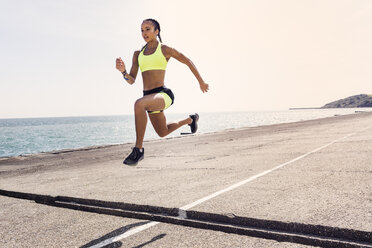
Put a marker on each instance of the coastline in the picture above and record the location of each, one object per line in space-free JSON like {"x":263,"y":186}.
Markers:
{"x":95,"y":147}
{"x":9,"y":163}
{"x":23,"y":137}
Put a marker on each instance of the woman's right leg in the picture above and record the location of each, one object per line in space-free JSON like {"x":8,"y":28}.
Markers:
{"x":140,"y":118}
{"x":145,"y":103}
{"x":152,"y":102}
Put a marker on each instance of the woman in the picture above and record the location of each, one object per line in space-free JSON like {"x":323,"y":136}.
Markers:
{"x":152,"y":60}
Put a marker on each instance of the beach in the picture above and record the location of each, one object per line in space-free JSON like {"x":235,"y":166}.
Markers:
{"x":313,"y":173}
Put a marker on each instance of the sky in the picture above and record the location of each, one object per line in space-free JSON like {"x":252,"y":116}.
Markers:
{"x":57,"y":58}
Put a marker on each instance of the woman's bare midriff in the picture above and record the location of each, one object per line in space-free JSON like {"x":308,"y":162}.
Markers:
{"x":153,"y":79}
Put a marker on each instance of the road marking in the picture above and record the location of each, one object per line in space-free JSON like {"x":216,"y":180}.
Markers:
{"x":232,"y":187}
{"x":125,"y":235}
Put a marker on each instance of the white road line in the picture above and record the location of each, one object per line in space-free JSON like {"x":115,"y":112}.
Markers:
{"x":232,"y":187}
{"x":125,"y":235}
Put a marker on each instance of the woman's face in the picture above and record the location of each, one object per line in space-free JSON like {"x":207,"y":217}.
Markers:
{"x":148,"y":31}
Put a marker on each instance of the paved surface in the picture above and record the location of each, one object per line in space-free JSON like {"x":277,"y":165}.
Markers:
{"x":317,"y":172}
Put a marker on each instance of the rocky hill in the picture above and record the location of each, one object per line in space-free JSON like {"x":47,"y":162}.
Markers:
{"x":357,"y":101}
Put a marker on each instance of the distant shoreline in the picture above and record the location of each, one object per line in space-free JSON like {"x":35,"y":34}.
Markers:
{"x":302,"y":108}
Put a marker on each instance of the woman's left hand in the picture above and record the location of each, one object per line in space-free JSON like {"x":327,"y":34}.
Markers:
{"x":204,"y":87}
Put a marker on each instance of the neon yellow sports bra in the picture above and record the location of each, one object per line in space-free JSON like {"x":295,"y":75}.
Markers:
{"x":155,"y":61}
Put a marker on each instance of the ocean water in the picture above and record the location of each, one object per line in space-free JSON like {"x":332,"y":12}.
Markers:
{"x":35,"y":135}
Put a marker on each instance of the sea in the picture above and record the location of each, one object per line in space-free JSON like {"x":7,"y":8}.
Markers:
{"x":24,"y":136}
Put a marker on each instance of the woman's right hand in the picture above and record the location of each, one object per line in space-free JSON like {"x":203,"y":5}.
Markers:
{"x":120,"y":64}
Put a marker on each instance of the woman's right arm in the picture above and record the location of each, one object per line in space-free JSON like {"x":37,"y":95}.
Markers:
{"x":129,"y":77}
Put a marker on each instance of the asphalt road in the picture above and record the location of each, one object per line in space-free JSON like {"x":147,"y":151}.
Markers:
{"x":314,"y":175}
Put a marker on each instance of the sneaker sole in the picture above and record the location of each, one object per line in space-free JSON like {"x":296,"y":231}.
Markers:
{"x":134,"y":163}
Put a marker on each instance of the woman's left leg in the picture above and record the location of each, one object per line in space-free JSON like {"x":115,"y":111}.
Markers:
{"x":161,"y":127}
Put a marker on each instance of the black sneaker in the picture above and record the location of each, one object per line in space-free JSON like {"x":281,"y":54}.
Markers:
{"x":194,"y":123}
{"x":135,"y":156}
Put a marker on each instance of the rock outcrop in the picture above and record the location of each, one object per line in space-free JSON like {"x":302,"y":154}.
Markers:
{"x":357,"y":101}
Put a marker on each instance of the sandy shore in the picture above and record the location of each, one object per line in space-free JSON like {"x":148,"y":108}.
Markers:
{"x":319,"y":174}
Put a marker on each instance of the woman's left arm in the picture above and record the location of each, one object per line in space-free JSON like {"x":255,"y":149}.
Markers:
{"x":171,"y":52}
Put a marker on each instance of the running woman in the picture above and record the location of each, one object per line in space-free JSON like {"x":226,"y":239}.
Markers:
{"x":152,"y":60}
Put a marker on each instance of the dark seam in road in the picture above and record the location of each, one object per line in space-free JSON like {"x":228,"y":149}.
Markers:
{"x":306,"y":234}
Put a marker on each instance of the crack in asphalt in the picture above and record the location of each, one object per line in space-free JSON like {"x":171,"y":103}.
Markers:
{"x":306,"y":234}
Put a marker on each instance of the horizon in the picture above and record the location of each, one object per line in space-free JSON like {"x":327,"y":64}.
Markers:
{"x":184,"y":113}
{"x":232,"y":111}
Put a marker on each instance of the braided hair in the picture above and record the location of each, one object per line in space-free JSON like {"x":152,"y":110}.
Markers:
{"x":156,"y":25}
